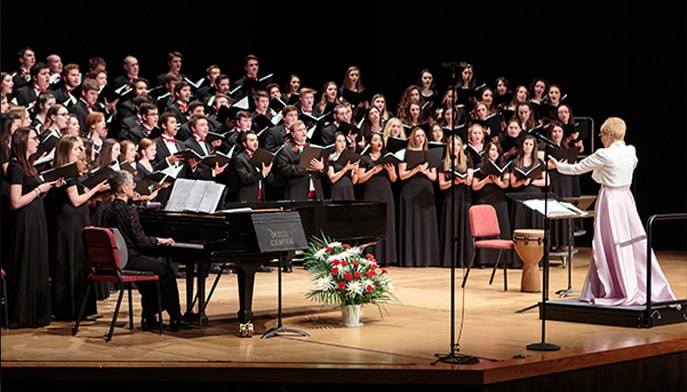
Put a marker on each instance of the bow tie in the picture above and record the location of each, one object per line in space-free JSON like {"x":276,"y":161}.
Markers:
{"x":301,"y":144}
{"x":169,"y":139}
{"x":41,"y":90}
{"x":201,"y":140}
{"x":309,"y":111}
{"x":183,"y":107}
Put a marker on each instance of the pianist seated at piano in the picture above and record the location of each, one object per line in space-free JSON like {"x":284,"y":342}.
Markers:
{"x":124,"y":216}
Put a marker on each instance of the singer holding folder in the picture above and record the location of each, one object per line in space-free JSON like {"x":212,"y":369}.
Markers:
{"x":617,"y":269}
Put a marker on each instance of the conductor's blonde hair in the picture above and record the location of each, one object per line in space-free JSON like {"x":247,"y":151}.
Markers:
{"x":614,"y":127}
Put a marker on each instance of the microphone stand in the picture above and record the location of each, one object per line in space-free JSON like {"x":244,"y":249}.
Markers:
{"x":452,"y":356}
{"x":543,"y":345}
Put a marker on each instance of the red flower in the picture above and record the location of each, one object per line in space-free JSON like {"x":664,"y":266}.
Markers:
{"x":341,"y":285}
{"x":369,"y":288}
{"x":329,"y":249}
{"x":348,"y":276}
{"x":370,"y":273}
{"x":357,"y":274}
{"x":335,"y":270}
{"x":345,"y":246}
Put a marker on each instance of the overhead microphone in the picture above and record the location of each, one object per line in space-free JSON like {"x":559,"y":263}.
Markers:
{"x":453,"y":64}
{"x":534,"y":132}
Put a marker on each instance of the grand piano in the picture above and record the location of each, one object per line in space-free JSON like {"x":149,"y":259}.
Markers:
{"x":229,"y":237}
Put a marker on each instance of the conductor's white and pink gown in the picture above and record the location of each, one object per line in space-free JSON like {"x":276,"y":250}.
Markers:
{"x":617,"y":270}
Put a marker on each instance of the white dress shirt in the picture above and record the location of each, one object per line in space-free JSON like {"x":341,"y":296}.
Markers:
{"x":611,"y":166}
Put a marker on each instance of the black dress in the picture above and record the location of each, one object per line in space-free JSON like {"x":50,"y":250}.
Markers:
{"x":496,"y":196}
{"x":561,"y":185}
{"x":456,"y":224}
{"x":28,"y":270}
{"x":343,"y":188}
{"x":4,"y":211}
{"x":418,"y":229}
{"x":69,"y":274}
{"x":378,"y":188}
{"x":523,"y":217}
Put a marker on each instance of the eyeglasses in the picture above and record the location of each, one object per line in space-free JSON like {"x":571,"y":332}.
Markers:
{"x":63,"y":114}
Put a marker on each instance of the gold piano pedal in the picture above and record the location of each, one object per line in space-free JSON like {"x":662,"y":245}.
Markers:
{"x":246,"y":330}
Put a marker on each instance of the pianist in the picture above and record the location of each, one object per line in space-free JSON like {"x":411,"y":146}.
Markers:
{"x":122,"y":215}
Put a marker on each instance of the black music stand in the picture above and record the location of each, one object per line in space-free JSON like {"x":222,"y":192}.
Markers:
{"x":582,"y":202}
{"x":452,"y":356}
{"x":551,"y":208}
{"x":279,"y":232}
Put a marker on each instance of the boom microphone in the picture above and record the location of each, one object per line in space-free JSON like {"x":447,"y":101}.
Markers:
{"x":453,"y":64}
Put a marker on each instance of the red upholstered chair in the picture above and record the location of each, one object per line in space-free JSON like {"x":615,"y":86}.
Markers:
{"x":107,"y":257}
{"x":3,"y":300}
{"x":485,"y":231}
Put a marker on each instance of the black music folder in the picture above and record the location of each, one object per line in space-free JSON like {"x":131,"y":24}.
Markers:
{"x":533,"y":173}
{"x":68,"y":170}
{"x":217,"y":158}
{"x":390,"y":157}
{"x":461,"y":130}
{"x":348,"y":156}
{"x":415,"y":157}
{"x":394,"y":144}
{"x":311,"y":151}
{"x":569,"y":154}
{"x":97,"y":176}
{"x":488,"y":167}
{"x":46,"y":146}
{"x":263,"y":156}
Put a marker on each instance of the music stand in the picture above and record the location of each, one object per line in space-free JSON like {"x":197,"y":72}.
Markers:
{"x":279,"y":231}
{"x":550,"y":207}
{"x":582,"y":202}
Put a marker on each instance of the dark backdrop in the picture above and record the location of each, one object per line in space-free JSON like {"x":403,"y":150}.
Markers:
{"x":626,"y":61}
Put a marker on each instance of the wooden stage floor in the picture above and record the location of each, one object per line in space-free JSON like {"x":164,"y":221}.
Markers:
{"x":411,"y":344}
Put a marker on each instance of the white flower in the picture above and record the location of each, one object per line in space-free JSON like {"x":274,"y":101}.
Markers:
{"x":325,"y":283}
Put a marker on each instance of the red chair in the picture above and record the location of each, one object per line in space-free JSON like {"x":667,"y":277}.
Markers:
{"x":485,"y":231}
{"x":107,"y":260}
{"x":3,"y":300}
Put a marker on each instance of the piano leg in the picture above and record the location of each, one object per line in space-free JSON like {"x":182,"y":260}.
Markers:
{"x":199,"y":271}
{"x":245,"y":275}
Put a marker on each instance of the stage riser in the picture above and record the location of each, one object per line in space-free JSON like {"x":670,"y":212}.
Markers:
{"x":619,"y":317}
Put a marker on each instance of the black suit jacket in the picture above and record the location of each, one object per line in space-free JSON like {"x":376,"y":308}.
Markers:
{"x":82,"y":111}
{"x":203,"y":171}
{"x":25,"y":95}
{"x":245,"y":179}
{"x":297,"y":178}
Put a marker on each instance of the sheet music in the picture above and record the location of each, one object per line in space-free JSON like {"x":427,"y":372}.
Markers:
{"x":554,"y":208}
{"x":194,"y":196}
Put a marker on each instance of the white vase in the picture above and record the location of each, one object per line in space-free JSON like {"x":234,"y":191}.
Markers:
{"x":350,"y":316}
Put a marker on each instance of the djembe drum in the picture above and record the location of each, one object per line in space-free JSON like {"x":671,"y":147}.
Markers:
{"x":529,"y":244}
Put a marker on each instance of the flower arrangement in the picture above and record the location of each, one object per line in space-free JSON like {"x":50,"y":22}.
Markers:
{"x":344,"y":276}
